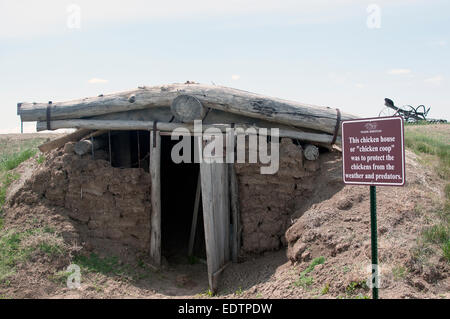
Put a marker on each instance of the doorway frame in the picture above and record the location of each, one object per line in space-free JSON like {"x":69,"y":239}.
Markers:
{"x":220,"y":203}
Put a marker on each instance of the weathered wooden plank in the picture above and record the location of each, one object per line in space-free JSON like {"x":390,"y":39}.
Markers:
{"x":216,"y":275}
{"x":220,"y":227}
{"x":59,"y":142}
{"x":144,"y":125}
{"x":216,"y":216}
{"x":96,"y":133}
{"x":226,"y":212}
{"x":208,"y":221}
{"x":216,"y":97}
{"x":155,"y":172}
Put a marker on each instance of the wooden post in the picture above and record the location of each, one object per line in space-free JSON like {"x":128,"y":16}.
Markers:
{"x":155,"y":172}
{"x":194,"y":217}
{"x":139,"y":149}
{"x":235,"y":242}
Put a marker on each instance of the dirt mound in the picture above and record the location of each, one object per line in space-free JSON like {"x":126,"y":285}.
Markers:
{"x":339,"y":230}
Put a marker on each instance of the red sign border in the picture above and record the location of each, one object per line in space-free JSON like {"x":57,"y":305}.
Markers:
{"x":372,"y":119}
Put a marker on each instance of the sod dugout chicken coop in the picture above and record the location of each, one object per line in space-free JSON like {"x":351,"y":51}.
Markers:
{"x":220,"y":210}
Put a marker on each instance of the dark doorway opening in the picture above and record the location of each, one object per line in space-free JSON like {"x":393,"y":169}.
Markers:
{"x":178,"y":192}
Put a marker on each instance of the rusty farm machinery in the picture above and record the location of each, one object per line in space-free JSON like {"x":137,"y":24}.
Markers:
{"x":409,"y":113}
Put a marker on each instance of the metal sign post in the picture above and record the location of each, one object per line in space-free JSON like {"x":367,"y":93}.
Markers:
{"x":373,"y":233}
{"x":373,"y":154}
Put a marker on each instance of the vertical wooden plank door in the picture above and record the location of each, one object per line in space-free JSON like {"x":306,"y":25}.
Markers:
{"x":216,"y":218}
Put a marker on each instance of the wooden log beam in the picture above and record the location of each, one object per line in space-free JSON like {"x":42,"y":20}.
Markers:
{"x":86,"y":146}
{"x":216,"y":97}
{"x":59,"y":142}
{"x":119,"y":125}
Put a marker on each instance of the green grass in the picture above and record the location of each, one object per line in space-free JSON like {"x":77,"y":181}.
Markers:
{"x":11,"y":253}
{"x":437,"y":234}
{"x":304,"y":280}
{"x":49,"y":230}
{"x":11,"y":161}
{"x":422,"y":141}
{"x":355,"y":285}
{"x":50,"y":249}
{"x":208,"y":293}
{"x":447,"y":190}
{"x":110,"y":266}
{"x":399,"y":272}
{"x":40,"y":159}
{"x":316,"y":261}
{"x":325,"y":289}
{"x":5,"y":182}
{"x":17,"y":247}
{"x":10,"y":146}
{"x":239,"y":291}
{"x":433,"y":147}
{"x":446,"y":250}
{"x":103,"y":265}
{"x":7,"y":179}
{"x":12,"y":154}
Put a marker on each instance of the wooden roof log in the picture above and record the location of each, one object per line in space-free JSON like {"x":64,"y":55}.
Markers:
{"x":215,"y":97}
{"x":169,"y":127}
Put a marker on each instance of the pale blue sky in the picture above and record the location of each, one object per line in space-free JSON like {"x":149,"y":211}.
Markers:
{"x":318,"y":52}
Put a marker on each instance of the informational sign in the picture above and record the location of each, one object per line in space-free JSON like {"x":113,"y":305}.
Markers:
{"x":373,"y":151}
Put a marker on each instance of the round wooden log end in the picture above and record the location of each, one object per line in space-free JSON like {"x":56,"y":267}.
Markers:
{"x":311,"y":152}
{"x":83,"y":147}
{"x":187,"y":108}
